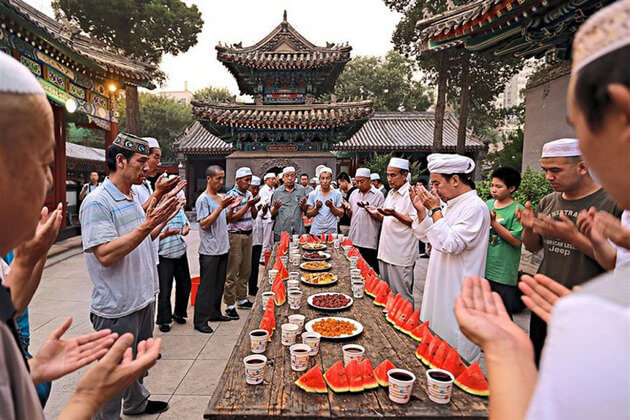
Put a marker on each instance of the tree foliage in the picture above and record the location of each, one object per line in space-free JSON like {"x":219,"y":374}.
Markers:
{"x":388,"y":82}
{"x":213,"y":94}
{"x":162,"y":118}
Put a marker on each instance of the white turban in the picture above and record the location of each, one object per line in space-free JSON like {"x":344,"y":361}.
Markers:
{"x":375,"y":177}
{"x":561,"y":148}
{"x":399,"y":163}
{"x":325,"y":169}
{"x":255,"y":180}
{"x":318,"y":169}
{"x":287,"y":170}
{"x":152,"y":142}
{"x":363,"y":172}
{"x":442,"y":163}
{"x":269,"y":175}
{"x":15,"y":78}
{"x":243,"y":172}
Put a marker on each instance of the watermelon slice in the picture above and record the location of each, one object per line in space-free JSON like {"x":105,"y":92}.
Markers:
{"x":324,"y":238}
{"x":473,"y":382}
{"x":336,"y":377}
{"x":330,"y":238}
{"x":403,"y":314}
{"x":397,"y":302}
{"x":390,"y":302}
{"x":310,"y":239}
{"x":316,"y":238}
{"x":381,"y":297}
{"x":302,"y":240}
{"x":440,"y":355}
{"x":381,"y":372}
{"x":313,"y":381}
{"x":417,"y":332}
{"x":453,"y":363}
{"x":282,"y":270}
{"x":280,"y":291}
{"x":367,"y":373}
{"x":355,"y":380}
{"x":423,"y":347}
{"x":265,"y":324}
{"x":431,"y":351}
{"x":412,"y":322}
{"x":370,"y":285}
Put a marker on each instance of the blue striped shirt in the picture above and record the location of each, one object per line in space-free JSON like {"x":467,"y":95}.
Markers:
{"x":245,"y":222}
{"x":174,"y":246}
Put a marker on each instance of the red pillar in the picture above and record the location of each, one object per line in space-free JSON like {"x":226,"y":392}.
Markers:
{"x":59,"y":170}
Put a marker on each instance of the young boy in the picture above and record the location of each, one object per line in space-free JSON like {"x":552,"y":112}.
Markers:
{"x":504,"y":246}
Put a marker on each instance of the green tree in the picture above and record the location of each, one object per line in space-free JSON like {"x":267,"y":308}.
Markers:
{"x":378,"y":164}
{"x":213,"y":94}
{"x":388,"y":82}
{"x":162,"y":118}
{"x":141,"y":29}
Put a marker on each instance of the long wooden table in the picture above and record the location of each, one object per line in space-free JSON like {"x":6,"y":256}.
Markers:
{"x":279,"y":396}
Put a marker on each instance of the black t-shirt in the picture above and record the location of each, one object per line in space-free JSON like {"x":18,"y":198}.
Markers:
{"x":345,"y":219}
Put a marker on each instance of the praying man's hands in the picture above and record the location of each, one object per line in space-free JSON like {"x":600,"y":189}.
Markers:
{"x":564,"y":228}
{"x":318,"y":204}
{"x":526,"y":216}
{"x":46,"y":232}
{"x":329,"y":203}
{"x":416,"y":200}
{"x":540,"y":293}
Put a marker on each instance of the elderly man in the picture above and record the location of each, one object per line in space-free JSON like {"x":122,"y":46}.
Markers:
{"x":240,"y":217}
{"x":324,"y":205}
{"x":365,"y":225}
{"x":458,"y":237}
{"x":257,"y":239}
{"x":398,"y":248}
{"x":264,"y":206}
{"x":289,"y":201}
{"x":376,"y":181}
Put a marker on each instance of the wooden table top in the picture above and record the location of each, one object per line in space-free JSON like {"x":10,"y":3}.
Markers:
{"x":279,"y":396}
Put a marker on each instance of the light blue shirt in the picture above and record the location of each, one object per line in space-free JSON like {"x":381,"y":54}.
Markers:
{"x":174,"y":246}
{"x":324,"y":221}
{"x":214,"y":240}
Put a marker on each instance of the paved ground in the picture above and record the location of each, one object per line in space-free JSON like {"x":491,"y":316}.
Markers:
{"x":191,"y":363}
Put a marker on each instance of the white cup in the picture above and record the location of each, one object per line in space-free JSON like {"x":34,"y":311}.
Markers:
{"x":294,"y":275}
{"x":289,"y":331}
{"x":295,"y":259}
{"x":440,"y":385}
{"x":312,"y":339}
{"x":353,"y":263}
{"x":284,"y":260}
{"x":346,"y":248}
{"x":335,"y":235}
{"x":272,"y":275}
{"x":352,"y":352}
{"x":299,"y":357}
{"x":296,"y":238}
{"x":336,"y":243}
{"x":358,"y":287}
{"x":258,"y":340}
{"x":295,"y":298}
{"x":293,"y":283}
{"x":355,"y":272}
{"x":400,"y":385}
{"x":298,"y":320}
{"x":254,"y":368}
{"x":265,"y":299}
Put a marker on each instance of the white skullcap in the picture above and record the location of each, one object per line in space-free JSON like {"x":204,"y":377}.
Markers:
{"x":255,"y":180}
{"x":152,"y":142}
{"x":318,"y":169}
{"x":325,"y":169}
{"x":363,"y":172}
{"x":375,"y":177}
{"x":287,"y":170}
{"x":442,"y":163}
{"x":604,"y":32}
{"x":561,"y":148}
{"x":243,"y":172}
{"x":269,"y":175}
{"x":399,"y":163}
{"x":314,"y":179}
{"x":15,"y":78}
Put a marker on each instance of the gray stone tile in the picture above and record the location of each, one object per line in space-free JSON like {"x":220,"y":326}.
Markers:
{"x":184,"y":407}
{"x":166,"y":375}
{"x":182,"y":347}
{"x":202,"y":378}
{"x":219,"y":347}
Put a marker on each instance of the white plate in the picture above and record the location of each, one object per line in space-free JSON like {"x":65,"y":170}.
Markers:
{"x":321,"y":308}
{"x":320,"y":246}
{"x":324,"y":254}
{"x":317,"y":270}
{"x":319,"y":284}
{"x":359,"y":328}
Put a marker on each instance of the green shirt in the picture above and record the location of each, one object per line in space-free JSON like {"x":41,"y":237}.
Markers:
{"x":503,"y":258}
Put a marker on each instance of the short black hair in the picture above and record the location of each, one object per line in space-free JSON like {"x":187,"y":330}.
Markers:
{"x":591,"y":92}
{"x":112,"y":152}
{"x":465,"y":178}
{"x":342,"y":176}
{"x":510,"y":177}
{"x":306,"y":175}
{"x":212,"y":170}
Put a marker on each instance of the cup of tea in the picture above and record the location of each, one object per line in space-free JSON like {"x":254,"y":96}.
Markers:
{"x":295,"y":299}
{"x":254,"y":368}
{"x":289,"y":332}
{"x":312,"y":339}
{"x":258,"y":340}
{"x":440,"y":385}
{"x":346,"y":248}
{"x":265,"y":299}
{"x":352,"y":352}
{"x":295,"y":259}
{"x":358,"y":287}
{"x":272,"y":275}
{"x":294,"y":275}
{"x":293,"y":283}
{"x":355,"y":272}
{"x":296,"y":238}
{"x":400,"y":385}
{"x":336,"y":243}
{"x":353,"y":262}
{"x":284,"y":260}
{"x":298,"y":320}
{"x":299,"y":357}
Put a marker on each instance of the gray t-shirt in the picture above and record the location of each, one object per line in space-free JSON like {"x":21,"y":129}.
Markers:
{"x":324,"y":221}
{"x":130,"y":283}
{"x":289,"y":216}
{"x":214,"y":240}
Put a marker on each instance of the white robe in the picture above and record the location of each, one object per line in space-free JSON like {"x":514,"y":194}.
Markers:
{"x":266,"y":223}
{"x":459,"y":242}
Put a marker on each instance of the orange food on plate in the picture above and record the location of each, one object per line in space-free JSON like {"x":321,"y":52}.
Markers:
{"x":329,"y":327}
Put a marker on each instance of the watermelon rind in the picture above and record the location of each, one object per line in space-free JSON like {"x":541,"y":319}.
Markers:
{"x":313,"y":381}
{"x":381,"y":372}
{"x":473,"y":382}
{"x":336,"y":377}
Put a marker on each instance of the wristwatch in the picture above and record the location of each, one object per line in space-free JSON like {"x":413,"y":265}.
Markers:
{"x":434,"y":210}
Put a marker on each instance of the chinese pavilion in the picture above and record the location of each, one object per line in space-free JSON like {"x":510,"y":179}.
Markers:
{"x":287,"y":124}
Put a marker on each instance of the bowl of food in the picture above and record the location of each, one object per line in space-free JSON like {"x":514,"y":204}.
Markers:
{"x":314,"y":247}
{"x":316,"y":266}
{"x":330,"y":301}
{"x":319,"y":279}
{"x":316,"y":256}
{"x":334,"y":327}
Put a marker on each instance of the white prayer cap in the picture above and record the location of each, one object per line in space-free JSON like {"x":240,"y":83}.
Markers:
{"x":315,"y":180}
{"x":243,"y":172}
{"x":152,"y":142}
{"x":443,"y":163}
{"x":255,"y":180}
{"x":561,"y":148}
{"x":363,"y":172}
{"x":288,"y":169}
{"x":604,"y":32}
{"x":375,"y":177}
{"x":318,"y":169}
{"x":15,"y":78}
{"x":269,"y":175}
{"x":399,"y":163}
{"x":325,"y":169}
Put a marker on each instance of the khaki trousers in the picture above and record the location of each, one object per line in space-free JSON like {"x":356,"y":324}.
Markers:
{"x":238,"y":269}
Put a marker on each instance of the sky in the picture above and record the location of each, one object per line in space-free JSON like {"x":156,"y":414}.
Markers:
{"x":367,"y":25}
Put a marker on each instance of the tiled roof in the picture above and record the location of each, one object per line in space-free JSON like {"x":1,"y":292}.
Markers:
{"x":78,"y":47}
{"x":408,"y":131}
{"x":85,"y":153}
{"x":456,"y":18}
{"x":196,"y":139}
{"x":304,"y":117}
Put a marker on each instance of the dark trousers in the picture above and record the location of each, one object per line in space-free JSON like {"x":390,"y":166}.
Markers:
{"x":252,"y":285}
{"x":369,"y":255}
{"x":508,"y":295}
{"x":537,"y":333}
{"x":167,"y":269}
{"x":212,"y":283}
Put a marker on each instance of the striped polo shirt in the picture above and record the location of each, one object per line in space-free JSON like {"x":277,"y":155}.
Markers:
{"x":245,"y":223}
{"x":174,"y":246}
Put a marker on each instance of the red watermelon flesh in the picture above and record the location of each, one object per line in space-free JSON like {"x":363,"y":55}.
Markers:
{"x":423,"y":348}
{"x":381,"y":297}
{"x":312,"y":381}
{"x":397,"y":302}
{"x":453,"y":363}
{"x":336,"y":377}
{"x":417,"y":332}
{"x":282,"y":270}
{"x":412,"y":322}
{"x":265,"y":324}
{"x":355,"y":380}
{"x":370,"y":285}
{"x":302,"y":240}
{"x":280,"y":291}
{"x":473,"y":382}
{"x":390,"y":302}
{"x":330,"y":238}
{"x":323,"y":238}
{"x":367,"y":373}
{"x":310,"y":239}
{"x":440,"y":355}
{"x":381,"y":372}
{"x":315,"y":238}
{"x":397,"y":310}
{"x":403,"y":314}
{"x":433,"y":348}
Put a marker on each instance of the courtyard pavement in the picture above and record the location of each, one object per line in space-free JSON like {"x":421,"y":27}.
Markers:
{"x":191,"y":364}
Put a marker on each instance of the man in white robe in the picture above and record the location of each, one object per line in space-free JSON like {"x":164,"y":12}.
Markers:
{"x":458,"y":236}
{"x":265,"y":193}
